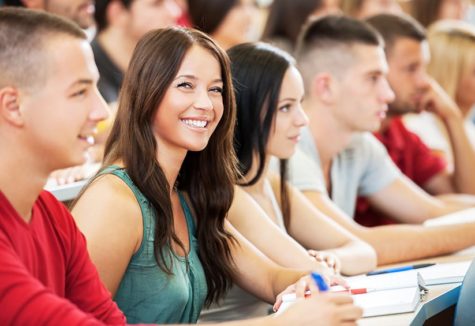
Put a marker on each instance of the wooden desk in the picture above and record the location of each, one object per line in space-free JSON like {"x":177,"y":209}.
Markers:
{"x":439,"y":298}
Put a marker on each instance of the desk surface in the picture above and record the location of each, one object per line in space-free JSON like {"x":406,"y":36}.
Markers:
{"x":439,"y":297}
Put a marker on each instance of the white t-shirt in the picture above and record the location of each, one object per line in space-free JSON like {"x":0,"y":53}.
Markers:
{"x":362,"y":168}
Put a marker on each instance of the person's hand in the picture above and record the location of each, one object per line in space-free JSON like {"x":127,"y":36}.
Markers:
{"x":304,"y":285}
{"x":437,"y":101}
{"x":329,"y":259}
{"x":320,"y":308}
{"x":69,"y":175}
{"x":75,"y":173}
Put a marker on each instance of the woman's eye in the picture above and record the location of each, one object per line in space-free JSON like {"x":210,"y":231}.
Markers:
{"x":284,"y":108}
{"x":185,"y":85}
{"x":216,"y":90}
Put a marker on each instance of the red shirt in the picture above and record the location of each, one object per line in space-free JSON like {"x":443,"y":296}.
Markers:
{"x":46,"y":276}
{"x":412,"y":157}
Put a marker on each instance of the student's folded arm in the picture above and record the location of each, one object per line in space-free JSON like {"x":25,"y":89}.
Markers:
{"x":111,"y":219}
{"x":462,"y":201}
{"x":26,"y":301}
{"x":402,"y":242}
{"x":403,"y":200}
{"x":440,"y":183}
{"x":315,"y":230}
{"x":253,"y":223}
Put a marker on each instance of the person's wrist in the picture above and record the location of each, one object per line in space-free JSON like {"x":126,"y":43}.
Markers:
{"x":451,"y":114}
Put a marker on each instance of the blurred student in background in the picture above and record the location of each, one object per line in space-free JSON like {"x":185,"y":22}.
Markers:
{"x":452,"y":65}
{"x":408,"y":55}
{"x":286,"y":18}
{"x":427,"y":12}
{"x":79,"y":11}
{"x":362,"y":9}
{"x":228,"y":22}
{"x":120,"y":25}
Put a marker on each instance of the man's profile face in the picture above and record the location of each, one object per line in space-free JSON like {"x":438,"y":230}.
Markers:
{"x":363,"y":93}
{"x":79,"y":11}
{"x":61,"y":112}
{"x":408,"y":59}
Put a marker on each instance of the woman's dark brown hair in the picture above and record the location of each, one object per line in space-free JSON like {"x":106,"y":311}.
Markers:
{"x":207,"y":176}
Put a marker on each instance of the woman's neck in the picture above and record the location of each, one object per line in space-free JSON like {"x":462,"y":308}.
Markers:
{"x":170,"y":161}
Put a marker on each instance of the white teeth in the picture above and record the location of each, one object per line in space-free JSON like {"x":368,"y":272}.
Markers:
{"x":90,"y":140}
{"x":196,"y":123}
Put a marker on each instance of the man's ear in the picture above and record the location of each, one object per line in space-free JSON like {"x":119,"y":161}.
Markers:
{"x":34,"y":4}
{"x":10,"y":106}
{"x":323,"y":88}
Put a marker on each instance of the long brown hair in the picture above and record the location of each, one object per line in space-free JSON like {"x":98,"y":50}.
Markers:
{"x":207,"y":176}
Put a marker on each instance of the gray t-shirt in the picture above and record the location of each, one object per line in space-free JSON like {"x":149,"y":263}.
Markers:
{"x":362,"y":168}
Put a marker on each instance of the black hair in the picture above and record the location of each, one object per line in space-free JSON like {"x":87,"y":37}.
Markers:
{"x":258,"y":70}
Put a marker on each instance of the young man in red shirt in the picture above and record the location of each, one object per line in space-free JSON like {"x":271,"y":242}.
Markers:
{"x":407,"y":53}
{"x":49,"y":108}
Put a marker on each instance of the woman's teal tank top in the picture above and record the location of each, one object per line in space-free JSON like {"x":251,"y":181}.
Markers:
{"x":146,"y":294}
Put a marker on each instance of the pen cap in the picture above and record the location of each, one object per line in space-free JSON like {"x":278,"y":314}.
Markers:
{"x":322,"y":285}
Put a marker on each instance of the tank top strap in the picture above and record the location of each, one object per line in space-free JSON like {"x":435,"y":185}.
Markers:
{"x":124,"y":176}
{"x":147,"y":211}
{"x":275,"y":205}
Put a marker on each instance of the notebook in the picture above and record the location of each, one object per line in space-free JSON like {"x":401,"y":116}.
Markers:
{"x":444,"y":273}
{"x":388,"y":302}
{"x":390,"y":293}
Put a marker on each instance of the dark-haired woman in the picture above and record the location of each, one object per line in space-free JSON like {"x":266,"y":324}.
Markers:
{"x":266,"y":210}
{"x":154,"y":216}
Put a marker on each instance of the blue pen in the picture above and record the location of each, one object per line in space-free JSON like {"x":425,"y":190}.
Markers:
{"x":398,"y":269}
{"x":322,"y":285}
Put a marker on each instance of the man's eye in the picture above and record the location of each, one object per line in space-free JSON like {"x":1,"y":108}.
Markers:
{"x":79,"y":93}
